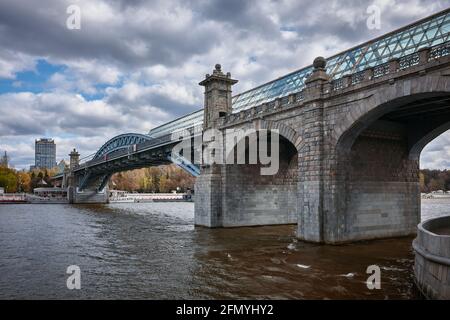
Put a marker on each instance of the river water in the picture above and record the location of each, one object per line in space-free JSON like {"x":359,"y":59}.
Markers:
{"x":153,"y":251}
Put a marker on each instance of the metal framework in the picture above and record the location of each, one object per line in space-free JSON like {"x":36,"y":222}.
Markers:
{"x":428,"y":32}
{"x":122,"y":141}
{"x":129,"y":141}
{"x":185,"y":164}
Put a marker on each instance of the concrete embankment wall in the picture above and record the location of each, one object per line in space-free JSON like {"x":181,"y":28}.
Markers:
{"x":87,"y":196}
{"x":432,"y":261}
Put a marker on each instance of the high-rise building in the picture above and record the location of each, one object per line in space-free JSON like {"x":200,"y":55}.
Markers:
{"x":4,"y":160}
{"x":45,"y":153}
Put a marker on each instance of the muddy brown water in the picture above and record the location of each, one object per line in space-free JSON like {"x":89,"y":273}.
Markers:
{"x":153,"y":251}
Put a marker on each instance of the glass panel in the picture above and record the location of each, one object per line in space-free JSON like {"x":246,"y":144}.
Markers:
{"x":430,"y":32}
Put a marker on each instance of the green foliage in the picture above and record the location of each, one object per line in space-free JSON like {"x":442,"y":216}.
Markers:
{"x":21,"y":181}
{"x":8,"y":179}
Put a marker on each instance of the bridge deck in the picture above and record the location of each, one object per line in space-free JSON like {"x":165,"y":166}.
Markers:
{"x":428,"y":32}
{"x":403,"y":44}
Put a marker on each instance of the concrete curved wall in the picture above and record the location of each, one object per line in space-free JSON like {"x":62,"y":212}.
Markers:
{"x":432,"y":258}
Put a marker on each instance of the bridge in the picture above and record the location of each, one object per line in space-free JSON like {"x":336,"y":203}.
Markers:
{"x":351,"y":128}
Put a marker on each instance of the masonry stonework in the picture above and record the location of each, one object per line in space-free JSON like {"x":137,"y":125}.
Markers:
{"x":356,"y":146}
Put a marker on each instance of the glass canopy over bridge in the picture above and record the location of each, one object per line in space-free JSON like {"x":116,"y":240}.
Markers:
{"x":428,"y":32}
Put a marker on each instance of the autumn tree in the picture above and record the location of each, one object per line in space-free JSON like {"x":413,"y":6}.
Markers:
{"x":24,"y":182}
{"x":153,"y":179}
{"x":433,"y":180}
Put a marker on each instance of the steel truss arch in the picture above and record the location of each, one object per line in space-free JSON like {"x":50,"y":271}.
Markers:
{"x":119,"y":142}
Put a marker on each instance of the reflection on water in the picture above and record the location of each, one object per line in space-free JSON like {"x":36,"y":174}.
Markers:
{"x":153,"y":251}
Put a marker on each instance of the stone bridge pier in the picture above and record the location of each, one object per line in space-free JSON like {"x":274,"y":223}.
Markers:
{"x":349,"y":152}
{"x":77,"y":196}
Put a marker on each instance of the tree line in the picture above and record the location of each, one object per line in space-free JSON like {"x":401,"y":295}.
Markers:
{"x":154,"y":179}
{"x":165,"y":179}
{"x":433,"y":180}
{"x":13,"y":181}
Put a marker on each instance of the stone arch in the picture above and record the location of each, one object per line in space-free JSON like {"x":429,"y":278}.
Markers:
{"x":287,"y":132}
{"x":377,"y":149}
{"x":255,"y":199}
{"x":355,"y":126}
{"x":417,"y":148}
{"x":373,"y":104}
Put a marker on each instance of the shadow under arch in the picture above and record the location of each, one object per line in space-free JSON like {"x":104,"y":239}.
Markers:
{"x":420,"y":144}
{"x":256,"y":199}
{"x":348,"y":137}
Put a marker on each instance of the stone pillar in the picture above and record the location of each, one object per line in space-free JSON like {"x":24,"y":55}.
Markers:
{"x":424,"y":55}
{"x":71,"y":183}
{"x":217,"y":101}
{"x":74,"y":159}
{"x":208,"y":186}
{"x":208,"y":197}
{"x":311,"y":157}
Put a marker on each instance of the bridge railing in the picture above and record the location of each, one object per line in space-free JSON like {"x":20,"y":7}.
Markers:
{"x":424,"y":55}
{"x":439,"y":51}
{"x":266,"y":107}
{"x":87,"y":158}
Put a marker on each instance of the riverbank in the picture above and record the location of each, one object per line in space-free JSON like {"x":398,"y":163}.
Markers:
{"x":22,"y":198}
{"x":435,"y":195}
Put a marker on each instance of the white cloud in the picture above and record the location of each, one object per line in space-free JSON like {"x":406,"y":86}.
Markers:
{"x":436,"y":155}
{"x":70,"y":119}
{"x":12,"y":62}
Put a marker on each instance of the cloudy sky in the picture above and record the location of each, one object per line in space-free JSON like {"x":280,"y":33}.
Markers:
{"x":135,"y":64}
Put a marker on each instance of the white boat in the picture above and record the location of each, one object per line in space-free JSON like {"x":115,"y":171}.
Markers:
{"x":48,"y":195}
{"x":117,"y":196}
{"x":45,"y":200}
{"x":121,"y":200}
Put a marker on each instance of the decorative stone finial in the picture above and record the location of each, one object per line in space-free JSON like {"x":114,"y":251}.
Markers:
{"x":319,"y":72}
{"x":218,"y":67}
{"x":319,"y":63}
